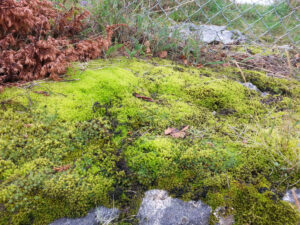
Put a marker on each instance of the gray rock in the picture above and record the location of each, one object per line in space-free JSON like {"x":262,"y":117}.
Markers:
{"x":100,"y":215}
{"x":254,"y":88}
{"x":289,"y":196}
{"x":207,"y":33}
{"x":228,"y":220}
{"x":219,"y":213}
{"x":158,"y":208}
{"x":105,"y":215}
{"x":251,"y":86}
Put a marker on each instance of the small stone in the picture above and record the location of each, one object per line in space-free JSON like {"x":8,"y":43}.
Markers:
{"x":250,"y":86}
{"x":254,"y":88}
{"x":289,"y":197}
{"x":228,"y":220}
{"x":223,"y":220}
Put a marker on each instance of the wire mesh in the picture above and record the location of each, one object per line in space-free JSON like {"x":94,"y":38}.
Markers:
{"x":264,"y":22}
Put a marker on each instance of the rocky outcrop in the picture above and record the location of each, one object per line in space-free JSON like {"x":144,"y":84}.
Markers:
{"x":207,"y":33}
{"x":100,"y":215}
{"x":158,"y":208}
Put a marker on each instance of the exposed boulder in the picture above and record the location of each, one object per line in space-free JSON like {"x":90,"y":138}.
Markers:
{"x":99,"y":215}
{"x":158,"y":208}
{"x":207,"y":33}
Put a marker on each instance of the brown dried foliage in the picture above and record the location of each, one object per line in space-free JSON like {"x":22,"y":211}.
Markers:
{"x":38,"y":40}
{"x":61,"y":168}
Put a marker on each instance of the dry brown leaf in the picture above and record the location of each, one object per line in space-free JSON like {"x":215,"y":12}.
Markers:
{"x":23,"y":57}
{"x":42,"y":93}
{"x":179,"y":134}
{"x":28,"y":125}
{"x":148,"y":99}
{"x":176,"y":133}
{"x":163,"y":54}
{"x":61,"y":168}
{"x":185,"y":128}
{"x":170,"y":130}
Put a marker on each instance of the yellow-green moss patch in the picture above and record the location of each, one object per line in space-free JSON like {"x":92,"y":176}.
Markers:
{"x":71,"y":145}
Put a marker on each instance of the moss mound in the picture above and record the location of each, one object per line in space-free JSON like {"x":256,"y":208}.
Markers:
{"x":68,"y":146}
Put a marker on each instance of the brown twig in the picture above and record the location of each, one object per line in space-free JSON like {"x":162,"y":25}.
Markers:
{"x":296,"y":198}
{"x":289,"y":63}
{"x":241,"y":71}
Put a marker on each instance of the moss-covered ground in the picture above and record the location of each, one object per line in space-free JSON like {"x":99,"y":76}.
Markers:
{"x":68,"y":146}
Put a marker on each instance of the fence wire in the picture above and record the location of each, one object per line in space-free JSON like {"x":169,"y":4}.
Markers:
{"x":264,"y":22}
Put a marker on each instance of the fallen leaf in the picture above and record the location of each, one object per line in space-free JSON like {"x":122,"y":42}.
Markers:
{"x":226,"y":64}
{"x":163,"y":54}
{"x":176,"y":133}
{"x":148,"y":99}
{"x":185,"y":128}
{"x":223,"y":54}
{"x":179,"y":134}
{"x":28,"y":125}
{"x":61,"y":168}
{"x":170,"y":130}
{"x":42,"y":93}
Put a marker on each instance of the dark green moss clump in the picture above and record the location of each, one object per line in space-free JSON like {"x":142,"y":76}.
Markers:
{"x":92,"y":142}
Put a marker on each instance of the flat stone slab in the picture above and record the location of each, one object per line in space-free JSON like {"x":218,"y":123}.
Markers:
{"x":158,"y":208}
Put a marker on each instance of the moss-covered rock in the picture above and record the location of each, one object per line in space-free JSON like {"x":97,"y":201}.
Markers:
{"x":68,"y":146}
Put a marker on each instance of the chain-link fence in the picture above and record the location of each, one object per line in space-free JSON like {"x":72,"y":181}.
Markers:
{"x":274,"y":22}
{"x":254,"y":34}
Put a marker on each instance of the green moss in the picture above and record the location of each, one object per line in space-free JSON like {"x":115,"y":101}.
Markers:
{"x":256,"y":50}
{"x":112,"y":144}
{"x":251,"y":207}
